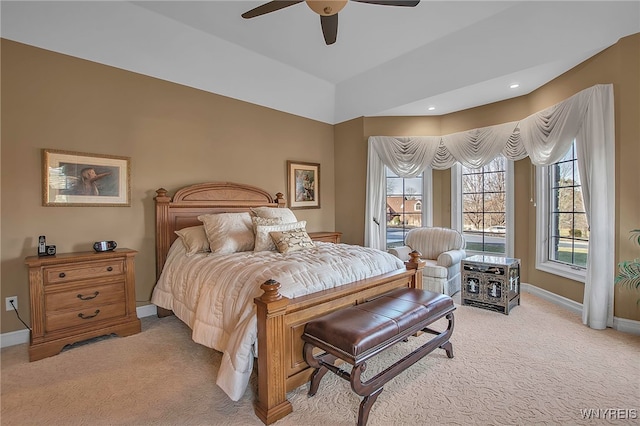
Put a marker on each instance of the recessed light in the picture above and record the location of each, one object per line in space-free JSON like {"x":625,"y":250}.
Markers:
{"x":514,"y":86}
{"x":431,"y":108}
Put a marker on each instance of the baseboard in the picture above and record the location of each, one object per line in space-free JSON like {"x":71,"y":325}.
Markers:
{"x":22,"y":336}
{"x":626,"y":325}
{"x":620,"y":324}
{"x":556,"y":299}
{"x":14,"y":338}
{"x":146,"y":311}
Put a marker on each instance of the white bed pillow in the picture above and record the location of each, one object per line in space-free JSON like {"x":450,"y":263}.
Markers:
{"x":293,"y":240}
{"x":285,"y":214}
{"x":263,"y":239}
{"x":228,"y":232}
{"x":194,"y":239}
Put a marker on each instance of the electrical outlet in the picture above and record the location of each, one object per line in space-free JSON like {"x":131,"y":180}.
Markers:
{"x":8,"y":301}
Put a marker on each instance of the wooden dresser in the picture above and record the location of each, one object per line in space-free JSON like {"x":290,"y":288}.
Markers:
{"x":328,"y":237}
{"x":77,"y":296}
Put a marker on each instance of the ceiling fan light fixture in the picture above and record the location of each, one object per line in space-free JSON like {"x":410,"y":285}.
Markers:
{"x":326,"y":7}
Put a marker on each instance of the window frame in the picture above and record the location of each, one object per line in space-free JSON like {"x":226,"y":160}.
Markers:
{"x":457,"y":207}
{"x":427,"y":201}
{"x":543,"y":230}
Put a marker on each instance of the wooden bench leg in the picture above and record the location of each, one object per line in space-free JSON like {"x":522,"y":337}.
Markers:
{"x":318,"y":364}
{"x":323,"y":364}
{"x":365,"y":406}
{"x":448,"y":348}
{"x":446,"y":345}
{"x":316,"y":377}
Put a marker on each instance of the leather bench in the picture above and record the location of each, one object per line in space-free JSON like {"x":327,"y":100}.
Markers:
{"x":357,"y":333}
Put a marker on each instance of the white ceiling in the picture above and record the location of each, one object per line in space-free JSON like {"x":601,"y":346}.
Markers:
{"x":387,"y":60}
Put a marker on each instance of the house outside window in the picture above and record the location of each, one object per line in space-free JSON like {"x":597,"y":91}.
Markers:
{"x":405,"y":206}
{"x":563,"y":237}
{"x":482,"y":206}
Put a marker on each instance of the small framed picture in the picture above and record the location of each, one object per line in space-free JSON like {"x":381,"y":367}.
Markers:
{"x":80,"y":179}
{"x":303,"y":185}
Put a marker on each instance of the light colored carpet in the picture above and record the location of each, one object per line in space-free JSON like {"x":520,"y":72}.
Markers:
{"x":538,"y":365}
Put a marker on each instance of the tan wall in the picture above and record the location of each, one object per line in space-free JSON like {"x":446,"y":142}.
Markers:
{"x":351,"y":178}
{"x":627,"y":107}
{"x":620,"y":65}
{"x":175,"y":136}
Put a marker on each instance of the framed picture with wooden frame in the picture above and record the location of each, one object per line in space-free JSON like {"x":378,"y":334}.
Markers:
{"x":80,"y":179}
{"x":303,"y":185}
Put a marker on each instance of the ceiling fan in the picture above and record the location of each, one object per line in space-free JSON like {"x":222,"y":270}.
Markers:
{"x":328,"y":11}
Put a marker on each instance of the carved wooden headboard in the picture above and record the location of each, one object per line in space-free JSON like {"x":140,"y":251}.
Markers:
{"x":204,"y":198}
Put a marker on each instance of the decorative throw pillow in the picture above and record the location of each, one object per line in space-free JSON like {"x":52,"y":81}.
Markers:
{"x":194,"y":239}
{"x":293,"y":240}
{"x":263,"y":239}
{"x":228,"y":232}
{"x":285,"y":214}
{"x":259,"y":221}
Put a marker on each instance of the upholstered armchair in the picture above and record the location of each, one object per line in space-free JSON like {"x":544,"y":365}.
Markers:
{"x":443,"y":250}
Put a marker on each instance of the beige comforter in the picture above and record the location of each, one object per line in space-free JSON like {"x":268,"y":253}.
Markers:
{"x":213,"y":294}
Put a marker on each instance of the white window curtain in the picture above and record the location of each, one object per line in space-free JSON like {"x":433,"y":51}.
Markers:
{"x":407,"y":157}
{"x":588,"y":117}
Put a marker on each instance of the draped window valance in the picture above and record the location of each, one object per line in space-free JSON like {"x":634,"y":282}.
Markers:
{"x":544,"y":137}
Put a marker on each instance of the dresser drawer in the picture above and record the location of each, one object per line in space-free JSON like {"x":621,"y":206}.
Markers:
{"x":87,"y":297}
{"x":79,"y":271}
{"x":59,"y":320}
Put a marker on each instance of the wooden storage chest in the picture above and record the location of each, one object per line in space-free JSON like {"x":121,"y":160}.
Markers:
{"x":491,"y":282}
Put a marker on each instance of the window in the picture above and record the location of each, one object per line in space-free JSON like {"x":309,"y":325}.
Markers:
{"x":563,"y":237}
{"x":407,"y":205}
{"x":482,"y":206}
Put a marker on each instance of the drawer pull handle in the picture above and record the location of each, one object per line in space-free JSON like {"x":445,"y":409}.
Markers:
{"x":62,"y":275}
{"x":81,"y":297}
{"x":109,"y":269}
{"x":81,"y":315}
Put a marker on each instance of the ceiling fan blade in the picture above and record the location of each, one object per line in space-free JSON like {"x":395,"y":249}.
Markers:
{"x":272,"y":6}
{"x":329,"y":28}
{"x":390,"y":2}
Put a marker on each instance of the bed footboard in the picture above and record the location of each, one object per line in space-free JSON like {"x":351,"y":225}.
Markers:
{"x":281,"y":320}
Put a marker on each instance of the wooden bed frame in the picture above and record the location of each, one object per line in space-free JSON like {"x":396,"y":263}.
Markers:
{"x":281,"y":320}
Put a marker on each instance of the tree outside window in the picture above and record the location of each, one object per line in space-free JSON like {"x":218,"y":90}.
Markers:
{"x":484,"y":196}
